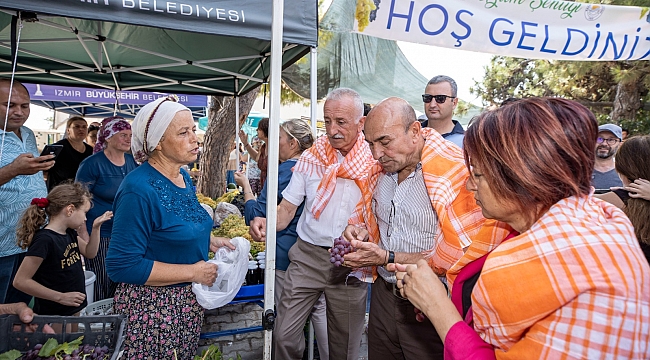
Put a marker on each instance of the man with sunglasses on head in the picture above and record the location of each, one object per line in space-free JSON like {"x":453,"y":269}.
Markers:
{"x":440,"y":99}
{"x":607,"y":143}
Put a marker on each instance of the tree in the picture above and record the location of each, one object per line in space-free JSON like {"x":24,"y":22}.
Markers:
{"x":218,"y":139}
{"x":616,"y":91}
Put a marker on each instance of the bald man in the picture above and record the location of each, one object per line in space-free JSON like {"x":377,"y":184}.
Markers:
{"x":421,"y":177}
{"x":21,"y":180}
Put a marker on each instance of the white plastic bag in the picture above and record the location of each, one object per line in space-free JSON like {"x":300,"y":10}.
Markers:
{"x":232,"y":268}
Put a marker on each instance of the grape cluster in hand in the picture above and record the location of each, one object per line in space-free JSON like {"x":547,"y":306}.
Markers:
{"x":340,"y":248}
{"x":87,"y":352}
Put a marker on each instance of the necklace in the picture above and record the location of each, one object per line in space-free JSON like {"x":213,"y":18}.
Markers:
{"x":79,"y":148}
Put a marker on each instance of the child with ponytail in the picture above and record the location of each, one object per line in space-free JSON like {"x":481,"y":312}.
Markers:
{"x":51,"y":270}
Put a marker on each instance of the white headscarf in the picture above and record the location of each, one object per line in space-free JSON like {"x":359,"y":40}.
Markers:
{"x":153,"y":119}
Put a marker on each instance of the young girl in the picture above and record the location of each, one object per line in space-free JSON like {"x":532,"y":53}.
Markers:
{"x":51,"y":270}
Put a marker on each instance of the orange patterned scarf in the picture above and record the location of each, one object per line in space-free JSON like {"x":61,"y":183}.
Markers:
{"x":488,"y":238}
{"x":445,"y":174}
{"x":321,"y":160}
{"x":575,"y":285}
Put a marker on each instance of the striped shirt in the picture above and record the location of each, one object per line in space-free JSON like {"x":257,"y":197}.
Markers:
{"x":406,"y":219}
{"x":16,"y":195}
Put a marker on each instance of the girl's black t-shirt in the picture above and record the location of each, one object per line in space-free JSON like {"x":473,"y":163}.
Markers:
{"x":61,"y":269}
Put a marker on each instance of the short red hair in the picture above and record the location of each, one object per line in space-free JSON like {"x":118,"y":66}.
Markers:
{"x":534,"y":152}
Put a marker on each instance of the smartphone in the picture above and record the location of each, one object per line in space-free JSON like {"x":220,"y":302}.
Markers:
{"x":53,"y":149}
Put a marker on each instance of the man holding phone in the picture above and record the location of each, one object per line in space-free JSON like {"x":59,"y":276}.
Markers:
{"x":21,"y":180}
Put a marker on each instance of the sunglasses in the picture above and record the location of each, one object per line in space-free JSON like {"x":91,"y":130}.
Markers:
{"x":440,"y":99}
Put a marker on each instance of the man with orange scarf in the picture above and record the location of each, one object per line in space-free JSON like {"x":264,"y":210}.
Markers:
{"x":328,"y":177}
{"x":415,"y":206}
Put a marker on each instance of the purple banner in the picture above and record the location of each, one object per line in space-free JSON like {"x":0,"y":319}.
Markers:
{"x":103,"y":96}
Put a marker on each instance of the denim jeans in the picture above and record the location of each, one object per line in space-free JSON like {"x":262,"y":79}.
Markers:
{"x":8,"y":267}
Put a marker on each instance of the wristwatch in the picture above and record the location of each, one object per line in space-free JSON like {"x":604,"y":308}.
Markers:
{"x":391,"y":257}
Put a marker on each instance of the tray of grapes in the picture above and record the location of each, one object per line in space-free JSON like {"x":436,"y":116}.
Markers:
{"x":98,"y":337}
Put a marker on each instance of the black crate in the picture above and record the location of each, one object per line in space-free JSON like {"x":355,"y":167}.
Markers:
{"x":106,"y":330}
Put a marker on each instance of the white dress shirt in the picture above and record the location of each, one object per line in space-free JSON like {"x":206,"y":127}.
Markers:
{"x":334,"y":218}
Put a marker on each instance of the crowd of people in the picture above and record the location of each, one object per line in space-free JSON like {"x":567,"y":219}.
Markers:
{"x":482,"y":243}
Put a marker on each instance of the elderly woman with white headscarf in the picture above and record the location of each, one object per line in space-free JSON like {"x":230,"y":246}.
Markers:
{"x":103,"y":174}
{"x":161,"y":237}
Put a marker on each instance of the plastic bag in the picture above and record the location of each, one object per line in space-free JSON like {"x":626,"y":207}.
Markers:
{"x":232,"y":268}
{"x":223,"y":210}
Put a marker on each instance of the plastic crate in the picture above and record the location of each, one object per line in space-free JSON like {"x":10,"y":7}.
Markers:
{"x":250,"y":291}
{"x":98,"y":308}
{"x":13,"y":334}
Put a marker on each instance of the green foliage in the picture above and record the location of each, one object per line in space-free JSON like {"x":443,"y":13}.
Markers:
{"x":52,"y":347}
{"x":11,"y":355}
{"x":213,"y":353}
{"x":593,"y":83}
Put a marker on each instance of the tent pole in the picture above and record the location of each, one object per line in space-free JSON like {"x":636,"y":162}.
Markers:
{"x":313,"y":106}
{"x":268,"y":318}
{"x":313,"y":92}
{"x":237,"y":122}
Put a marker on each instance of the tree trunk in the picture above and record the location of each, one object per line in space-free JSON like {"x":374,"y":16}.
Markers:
{"x":626,"y":103}
{"x":218,"y":139}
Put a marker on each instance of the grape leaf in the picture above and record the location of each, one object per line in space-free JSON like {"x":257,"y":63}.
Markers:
{"x":72,"y":345}
{"x":11,"y":355}
{"x":52,"y":347}
{"x":48,"y":348}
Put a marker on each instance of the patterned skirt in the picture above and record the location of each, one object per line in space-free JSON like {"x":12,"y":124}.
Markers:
{"x":162,"y":322}
{"x":104,"y":286}
{"x":256,"y":186}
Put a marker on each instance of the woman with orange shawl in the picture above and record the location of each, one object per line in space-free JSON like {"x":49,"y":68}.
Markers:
{"x":570,"y":281}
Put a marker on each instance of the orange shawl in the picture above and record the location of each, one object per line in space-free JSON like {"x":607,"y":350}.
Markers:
{"x":445,"y":174}
{"x":321,"y":160}
{"x":575,"y":285}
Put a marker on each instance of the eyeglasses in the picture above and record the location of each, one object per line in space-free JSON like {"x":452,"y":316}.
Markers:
{"x":440,"y":99}
{"x":610,"y":141}
{"x":389,"y":231}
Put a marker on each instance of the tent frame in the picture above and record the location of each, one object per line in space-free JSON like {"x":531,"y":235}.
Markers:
{"x":276,"y":63}
{"x":78,"y":36}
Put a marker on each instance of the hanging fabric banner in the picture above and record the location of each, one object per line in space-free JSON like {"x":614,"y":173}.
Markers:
{"x":537,"y":29}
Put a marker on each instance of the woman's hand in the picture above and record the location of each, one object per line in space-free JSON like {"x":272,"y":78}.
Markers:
{"x":419,"y":284}
{"x":217,"y":242}
{"x":640,"y":188}
{"x":243,"y":137}
{"x":204,"y":273}
{"x":102,"y":219}
{"x":425,"y":291}
{"x":241,"y":179}
{"x":73,"y":298}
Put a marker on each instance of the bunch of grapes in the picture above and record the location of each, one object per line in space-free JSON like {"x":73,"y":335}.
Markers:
{"x":239,"y":202}
{"x":362,"y":12}
{"x":206,"y":200}
{"x":340,"y":248}
{"x":87,"y":352}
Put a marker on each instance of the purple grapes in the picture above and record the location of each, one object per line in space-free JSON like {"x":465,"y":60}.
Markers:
{"x":85,"y":351}
{"x":340,"y":248}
